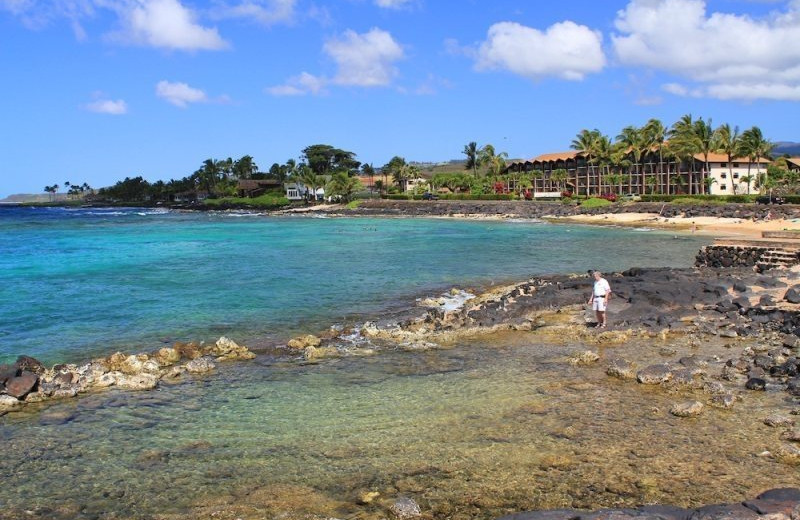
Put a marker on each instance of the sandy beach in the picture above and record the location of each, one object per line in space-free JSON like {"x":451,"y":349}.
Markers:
{"x":716,"y":226}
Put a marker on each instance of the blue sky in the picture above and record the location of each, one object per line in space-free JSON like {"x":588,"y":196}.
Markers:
{"x":96,"y":90}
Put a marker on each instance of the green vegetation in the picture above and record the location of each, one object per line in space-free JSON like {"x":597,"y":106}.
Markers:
{"x":354,"y":204}
{"x":267,"y":201}
{"x":595,"y":203}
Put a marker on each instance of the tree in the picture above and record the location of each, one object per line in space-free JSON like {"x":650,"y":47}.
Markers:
{"x":471,"y":151}
{"x":324,"y":159}
{"x":756,"y":147}
{"x":245,"y":167}
{"x":615,"y":179}
{"x":559,"y":176}
{"x":656,"y":137}
{"x":586,"y":143}
{"x":396,"y":168}
{"x":708,"y":182}
{"x":311,"y":180}
{"x":635,"y":141}
{"x":651,"y":182}
{"x":343,"y":186}
{"x":729,"y":142}
{"x":747,"y":179}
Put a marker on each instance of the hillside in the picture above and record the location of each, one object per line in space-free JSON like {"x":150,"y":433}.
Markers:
{"x":786,"y":147}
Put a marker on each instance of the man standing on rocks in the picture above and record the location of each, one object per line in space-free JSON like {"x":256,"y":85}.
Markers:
{"x":599,"y":299}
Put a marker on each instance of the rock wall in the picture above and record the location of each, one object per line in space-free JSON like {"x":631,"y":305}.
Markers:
{"x":730,"y":256}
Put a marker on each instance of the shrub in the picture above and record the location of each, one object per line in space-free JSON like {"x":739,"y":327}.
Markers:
{"x":353,"y":204}
{"x":611,"y":197}
{"x":700,"y":198}
{"x":595,"y":203}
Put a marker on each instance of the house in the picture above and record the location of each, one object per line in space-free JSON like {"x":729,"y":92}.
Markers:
{"x":256,"y":187}
{"x":793,"y":164}
{"x":730,"y":177}
{"x":299,"y":191}
{"x":410,"y":185}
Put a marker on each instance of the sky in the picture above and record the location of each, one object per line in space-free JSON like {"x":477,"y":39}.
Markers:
{"x":97,"y":90}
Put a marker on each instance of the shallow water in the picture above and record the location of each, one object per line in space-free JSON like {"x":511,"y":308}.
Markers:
{"x":474,"y":431}
{"x":82,"y":282}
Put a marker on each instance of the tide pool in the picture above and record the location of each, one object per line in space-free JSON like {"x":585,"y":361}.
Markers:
{"x":80,"y":282}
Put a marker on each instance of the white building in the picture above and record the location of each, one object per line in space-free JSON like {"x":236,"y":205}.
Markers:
{"x":299,"y":191}
{"x":410,"y":185}
{"x":728,"y":176}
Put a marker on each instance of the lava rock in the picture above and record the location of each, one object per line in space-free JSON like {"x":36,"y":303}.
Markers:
{"x":792,"y":294}
{"x":687,"y":409}
{"x":21,"y":385}
{"x":404,"y":508}
{"x":756,"y":383}
{"x":654,"y":374}
{"x":30,"y":364}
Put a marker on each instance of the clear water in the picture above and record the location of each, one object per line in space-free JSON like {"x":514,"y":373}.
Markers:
{"x":482,"y":428}
{"x":79,"y":282}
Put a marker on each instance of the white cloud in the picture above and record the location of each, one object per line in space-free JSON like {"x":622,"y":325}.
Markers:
{"x":364,"y":60}
{"x":180,"y":94}
{"x":300,"y":85}
{"x":166,"y":24}
{"x":265,"y":12}
{"x":157,"y":23}
{"x":565,"y":50}
{"x":676,"y":89}
{"x":108,"y":106}
{"x":394,"y":4}
{"x":731,"y":56}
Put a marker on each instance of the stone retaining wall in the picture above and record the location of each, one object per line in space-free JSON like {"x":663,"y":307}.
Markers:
{"x":729,"y":256}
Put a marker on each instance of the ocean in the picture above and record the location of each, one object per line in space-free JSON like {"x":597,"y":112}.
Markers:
{"x":81,"y":282}
{"x":475,"y":430}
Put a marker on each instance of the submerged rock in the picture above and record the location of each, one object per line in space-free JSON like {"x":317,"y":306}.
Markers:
{"x":404,"y":508}
{"x":654,"y":374}
{"x":587,"y":357}
{"x":200,"y":365}
{"x":777,"y":420}
{"x":621,"y":368}
{"x":687,"y":409}
{"x":756,"y":383}
{"x":301,"y":342}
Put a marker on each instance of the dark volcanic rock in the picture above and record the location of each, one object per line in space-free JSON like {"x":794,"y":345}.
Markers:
{"x":775,"y":501}
{"x":755,"y":383}
{"x":724,"y":512}
{"x":7,"y":372}
{"x":654,"y":374}
{"x":30,"y":364}
{"x":21,"y":385}
{"x":552,"y":514}
{"x":793,"y":294}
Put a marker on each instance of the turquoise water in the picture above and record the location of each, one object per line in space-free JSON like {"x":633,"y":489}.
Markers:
{"x":473,"y":431}
{"x":79,"y":282}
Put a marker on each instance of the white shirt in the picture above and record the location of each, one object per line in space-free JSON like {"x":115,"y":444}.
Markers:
{"x":601,"y":288}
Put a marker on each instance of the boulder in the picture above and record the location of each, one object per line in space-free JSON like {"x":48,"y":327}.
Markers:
{"x":301,"y":342}
{"x":167,"y":356}
{"x":7,"y":372}
{"x":227,"y":350}
{"x":725,"y":401}
{"x":756,"y":383}
{"x":189,"y":350}
{"x":200,"y":365}
{"x":21,"y":385}
{"x":621,"y":368}
{"x":792,"y":294}
{"x":792,"y":435}
{"x":724,"y":512}
{"x":8,"y":403}
{"x":687,"y":409}
{"x":777,"y":503}
{"x":30,"y":364}
{"x":654,"y":374}
{"x":137,"y":381}
{"x":587,"y":357}
{"x":404,"y":508}
{"x":776,"y":420}
{"x":788,"y":454}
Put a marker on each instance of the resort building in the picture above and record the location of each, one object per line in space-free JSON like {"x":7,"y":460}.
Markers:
{"x":654,"y":173}
{"x":793,"y":163}
{"x":256,"y":187}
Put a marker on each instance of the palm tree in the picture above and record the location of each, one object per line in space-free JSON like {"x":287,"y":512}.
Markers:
{"x":343,"y":185}
{"x":558,"y":177}
{"x":615,"y":180}
{"x":651,"y":182}
{"x":656,"y":137}
{"x":756,"y":146}
{"x":729,"y":142}
{"x":747,"y":179}
{"x":311,"y":180}
{"x":708,"y":182}
{"x":586,"y":142}
{"x":635,"y":140}
{"x":471,"y":151}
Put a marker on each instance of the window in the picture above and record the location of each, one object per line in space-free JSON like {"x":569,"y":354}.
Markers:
{"x":723,"y":187}
{"x":736,"y":165}
{"x":724,"y":175}
{"x":736,"y":175}
{"x":723,"y":165}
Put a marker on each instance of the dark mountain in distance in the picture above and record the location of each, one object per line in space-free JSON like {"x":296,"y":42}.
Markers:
{"x":786,"y":147}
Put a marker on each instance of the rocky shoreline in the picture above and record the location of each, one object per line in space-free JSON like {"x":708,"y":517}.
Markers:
{"x":538,"y":210}
{"x":28,"y":381}
{"x":775,"y":504}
